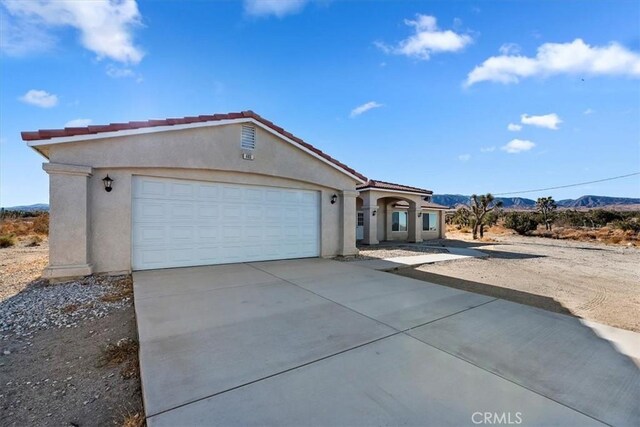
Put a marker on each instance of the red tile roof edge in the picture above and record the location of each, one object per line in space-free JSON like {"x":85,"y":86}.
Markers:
{"x":45,"y":134}
{"x":391,"y":186}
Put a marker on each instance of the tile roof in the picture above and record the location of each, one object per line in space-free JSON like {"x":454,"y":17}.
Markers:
{"x":391,"y":186}
{"x":47,"y":134}
{"x":425,"y":205}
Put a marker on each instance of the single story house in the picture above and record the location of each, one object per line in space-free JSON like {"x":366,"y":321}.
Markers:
{"x":214,"y":189}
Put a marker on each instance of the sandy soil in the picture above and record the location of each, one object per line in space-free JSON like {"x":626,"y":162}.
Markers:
{"x":20,"y":265}
{"x":60,"y":376}
{"x":588,"y":280}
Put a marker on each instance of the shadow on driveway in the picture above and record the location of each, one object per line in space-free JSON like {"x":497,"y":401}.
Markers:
{"x":546,"y":303}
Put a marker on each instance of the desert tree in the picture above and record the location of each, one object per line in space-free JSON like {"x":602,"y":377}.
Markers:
{"x":480,"y":207}
{"x":546,"y":206}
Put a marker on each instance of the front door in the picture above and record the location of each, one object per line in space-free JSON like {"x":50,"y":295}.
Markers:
{"x":360,"y":225}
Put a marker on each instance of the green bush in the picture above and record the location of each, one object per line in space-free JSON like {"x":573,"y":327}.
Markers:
{"x":629,"y":224}
{"x":521,"y":222}
{"x":7,"y":241}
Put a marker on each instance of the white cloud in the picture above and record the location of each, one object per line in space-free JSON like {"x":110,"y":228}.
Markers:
{"x":427,"y":40}
{"x":20,"y":37}
{"x":39,"y":98}
{"x":517,"y":145}
{"x":278,"y":8}
{"x":364,"y":108}
{"x":588,"y":111}
{"x":510,"y":49}
{"x":487,"y":149}
{"x":105,"y":26}
{"x":464,"y":157}
{"x":78,"y":123}
{"x":549,"y":121}
{"x":514,"y":127}
{"x":575,"y":57}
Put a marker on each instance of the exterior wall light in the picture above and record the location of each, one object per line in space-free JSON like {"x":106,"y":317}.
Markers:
{"x":107,"y":183}
{"x":373,"y":212}
{"x":334,"y":199}
{"x":419,"y":214}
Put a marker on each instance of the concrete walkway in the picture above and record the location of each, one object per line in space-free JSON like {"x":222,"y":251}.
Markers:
{"x":387,"y":264}
{"x":320,"y":342}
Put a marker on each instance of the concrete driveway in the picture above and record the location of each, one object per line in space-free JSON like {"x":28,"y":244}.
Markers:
{"x":320,"y":342}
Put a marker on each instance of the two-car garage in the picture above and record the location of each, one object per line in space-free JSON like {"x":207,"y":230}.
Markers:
{"x":178,"y":223}
{"x":201,"y":190}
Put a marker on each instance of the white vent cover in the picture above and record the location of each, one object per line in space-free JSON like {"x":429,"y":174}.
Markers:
{"x":248,"y":138}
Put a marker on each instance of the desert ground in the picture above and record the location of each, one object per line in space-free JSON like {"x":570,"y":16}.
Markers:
{"x":68,"y":351}
{"x":590,"y":280}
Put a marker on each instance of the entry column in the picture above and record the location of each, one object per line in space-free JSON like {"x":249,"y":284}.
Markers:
{"x":348,"y":214}
{"x":415,"y":224}
{"x":370,"y":210}
{"x":68,"y":221}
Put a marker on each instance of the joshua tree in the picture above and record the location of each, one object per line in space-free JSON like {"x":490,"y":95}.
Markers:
{"x":480,"y":207}
{"x":546,"y":206}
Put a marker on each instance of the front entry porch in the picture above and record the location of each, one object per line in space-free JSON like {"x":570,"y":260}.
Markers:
{"x":391,"y":212}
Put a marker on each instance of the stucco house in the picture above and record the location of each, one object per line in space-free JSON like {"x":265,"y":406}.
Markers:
{"x":212,"y":189}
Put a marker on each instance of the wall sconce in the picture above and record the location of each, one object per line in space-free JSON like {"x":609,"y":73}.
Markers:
{"x":107,"y":183}
{"x":419,"y":214}
{"x":373,"y":212}
{"x":334,"y":199}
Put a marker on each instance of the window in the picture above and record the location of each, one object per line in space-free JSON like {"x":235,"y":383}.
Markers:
{"x":360,"y":219}
{"x":248,"y":138}
{"x":429,"y":221}
{"x":399,"y":221}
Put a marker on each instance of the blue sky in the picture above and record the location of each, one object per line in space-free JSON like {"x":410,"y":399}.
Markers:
{"x":415,"y":92}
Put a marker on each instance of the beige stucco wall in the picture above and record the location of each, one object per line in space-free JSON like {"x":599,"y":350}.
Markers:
{"x":205,"y":154}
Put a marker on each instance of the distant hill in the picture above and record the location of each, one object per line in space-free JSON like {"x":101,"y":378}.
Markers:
{"x":597,"y":202}
{"x":29,"y":208}
{"x":584,"y":202}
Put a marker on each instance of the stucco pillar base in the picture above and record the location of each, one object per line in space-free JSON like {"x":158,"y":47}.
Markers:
{"x":67,"y":271}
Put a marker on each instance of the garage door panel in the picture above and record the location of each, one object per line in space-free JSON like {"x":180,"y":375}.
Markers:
{"x":181,"y":223}
{"x":207,"y":212}
{"x":182,"y":191}
{"x":150,"y":189}
{"x":149,"y":235}
{"x":232,"y":193}
{"x":151,"y":211}
{"x":182,"y":212}
{"x":209,"y":192}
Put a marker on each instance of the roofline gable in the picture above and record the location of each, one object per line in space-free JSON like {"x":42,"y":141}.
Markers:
{"x":43,"y":138}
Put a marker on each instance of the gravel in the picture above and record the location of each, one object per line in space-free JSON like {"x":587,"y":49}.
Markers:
{"x":42,"y":305}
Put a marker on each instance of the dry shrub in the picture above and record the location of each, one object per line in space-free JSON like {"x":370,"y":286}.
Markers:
{"x":34,"y":241}
{"x":41,"y":224}
{"x":70,"y":308}
{"x":122,"y":290}
{"x":125,"y":353}
{"x":7,"y":241}
{"x":134,"y":420}
{"x":608,"y":235}
{"x":26,"y":226}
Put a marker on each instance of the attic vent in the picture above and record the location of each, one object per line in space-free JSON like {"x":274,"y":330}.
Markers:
{"x":248,"y":138}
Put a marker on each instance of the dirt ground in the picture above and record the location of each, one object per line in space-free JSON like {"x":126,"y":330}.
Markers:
{"x":593,"y":281}
{"x":61,"y":376}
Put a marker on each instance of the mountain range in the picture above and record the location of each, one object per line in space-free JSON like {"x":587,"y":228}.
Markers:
{"x":584,"y":202}
{"x":455,"y":200}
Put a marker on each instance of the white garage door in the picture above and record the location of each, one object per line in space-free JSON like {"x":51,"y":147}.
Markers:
{"x":180,"y":223}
